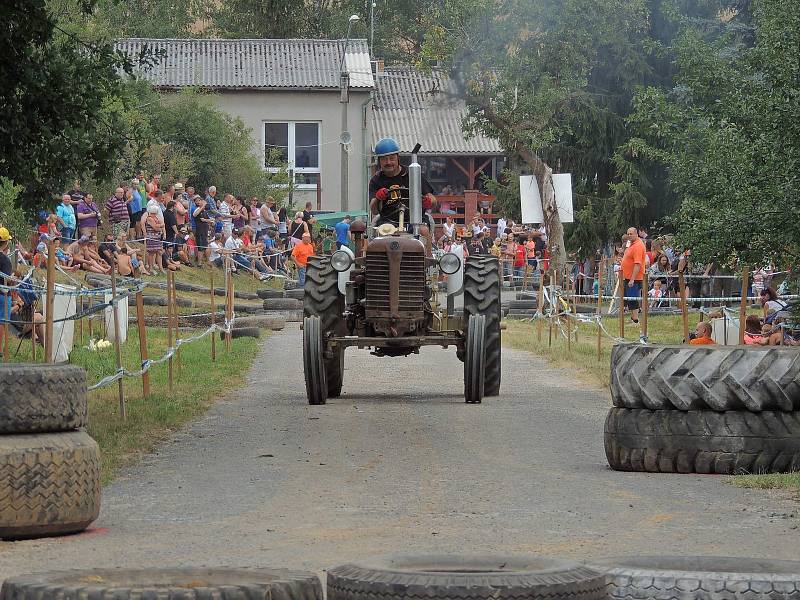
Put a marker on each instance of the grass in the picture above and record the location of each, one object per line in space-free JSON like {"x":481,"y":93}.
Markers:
{"x":199,"y":383}
{"x":581,"y":359}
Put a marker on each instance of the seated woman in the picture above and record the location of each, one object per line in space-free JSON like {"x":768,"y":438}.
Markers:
{"x":753,"y":332}
{"x":25,"y":318}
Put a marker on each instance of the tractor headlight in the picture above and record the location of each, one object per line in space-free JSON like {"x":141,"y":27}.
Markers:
{"x":341,"y":261}
{"x":449,"y":263}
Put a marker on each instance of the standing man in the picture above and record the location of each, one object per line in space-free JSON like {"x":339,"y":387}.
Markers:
{"x":501,"y":225}
{"x":66,"y":218}
{"x":211,"y":200}
{"x":343,"y":232}
{"x":633,"y":266}
{"x":224,"y":210}
{"x":117,"y":208}
{"x":88,"y":216}
{"x":300,"y":254}
{"x":136,"y":207}
{"x":267,"y":218}
{"x":5,"y":279}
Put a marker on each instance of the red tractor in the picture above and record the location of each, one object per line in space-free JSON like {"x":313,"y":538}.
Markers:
{"x":385,"y":297}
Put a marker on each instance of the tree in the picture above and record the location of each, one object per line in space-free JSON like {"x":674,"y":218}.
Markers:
{"x":729,"y":137}
{"x":542,"y":76}
{"x":55,"y":86}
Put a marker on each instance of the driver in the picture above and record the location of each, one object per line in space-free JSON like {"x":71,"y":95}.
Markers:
{"x":392,"y":173}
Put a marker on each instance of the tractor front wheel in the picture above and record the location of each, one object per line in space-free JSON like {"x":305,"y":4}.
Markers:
{"x":475,"y":359}
{"x":313,"y":362}
{"x":482,"y":297}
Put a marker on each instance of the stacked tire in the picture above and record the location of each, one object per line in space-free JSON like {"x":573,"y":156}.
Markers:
{"x":704,"y":409}
{"x":49,"y":466}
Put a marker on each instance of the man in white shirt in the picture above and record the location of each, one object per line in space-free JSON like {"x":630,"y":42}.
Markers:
{"x":216,"y":251}
{"x":224,"y":211}
{"x":235,"y":245}
{"x":501,"y":225}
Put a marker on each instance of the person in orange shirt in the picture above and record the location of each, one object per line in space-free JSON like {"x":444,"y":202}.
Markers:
{"x":300,"y":255}
{"x":702,"y":334}
{"x":633,"y":266}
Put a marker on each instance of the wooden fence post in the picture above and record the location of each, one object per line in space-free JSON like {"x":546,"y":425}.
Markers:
{"x":228,"y":302}
{"x":645,"y":303}
{"x":140,"y":324}
{"x":169,"y":332}
{"x":213,"y":318}
{"x":50,"y":302}
{"x":117,"y":345}
{"x":553,"y":307}
{"x":743,"y":306}
{"x":540,"y":306}
{"x":175,"y":323}
{"x":621,"y":284}
{"x":684,"y":309}
{"x":599,"y":309}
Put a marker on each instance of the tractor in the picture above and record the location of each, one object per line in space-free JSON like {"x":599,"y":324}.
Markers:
{"x":384,"y":296}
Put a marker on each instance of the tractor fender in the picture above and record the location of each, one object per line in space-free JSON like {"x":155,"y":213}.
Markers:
{"x":456,"y":281}
{"x":344,"y":276}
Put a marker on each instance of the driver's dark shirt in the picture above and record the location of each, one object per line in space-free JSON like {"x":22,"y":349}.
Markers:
{"x":390,"y":211}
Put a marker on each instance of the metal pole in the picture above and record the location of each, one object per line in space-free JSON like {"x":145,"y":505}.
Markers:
{"x":684,"y":310}
{"x":645,"y":302}
{"x":169,"y":328}
{"x":743,"y":306}
{"x":345,"y":83}
{"x":117,"y":346}
{"x":621,"y":283}
{"x":50,"y":303}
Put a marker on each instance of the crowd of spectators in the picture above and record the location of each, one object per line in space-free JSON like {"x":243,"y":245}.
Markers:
{"x":149,"y":227}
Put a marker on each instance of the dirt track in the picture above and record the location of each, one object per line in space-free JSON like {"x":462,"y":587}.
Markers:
{"x":400,"y":463}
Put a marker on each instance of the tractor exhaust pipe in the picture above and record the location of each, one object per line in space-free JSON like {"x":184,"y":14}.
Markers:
{"x":415,"y":191}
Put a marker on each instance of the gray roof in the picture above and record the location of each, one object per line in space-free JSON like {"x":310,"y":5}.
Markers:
{"x":409,"y":109}
{"x":253,"y":64}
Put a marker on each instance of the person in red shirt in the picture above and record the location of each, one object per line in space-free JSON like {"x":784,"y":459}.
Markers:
{"x":633,"y":266}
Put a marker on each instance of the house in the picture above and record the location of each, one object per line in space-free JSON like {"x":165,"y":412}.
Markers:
{"x":288,"y":93}
{"x":416,"y":107}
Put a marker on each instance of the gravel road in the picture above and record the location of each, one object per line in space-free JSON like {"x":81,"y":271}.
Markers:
{"x":400,"y":463}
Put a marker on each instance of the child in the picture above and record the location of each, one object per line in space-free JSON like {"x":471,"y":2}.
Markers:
{"x":328,"y":243}
{"x":656,"y":294}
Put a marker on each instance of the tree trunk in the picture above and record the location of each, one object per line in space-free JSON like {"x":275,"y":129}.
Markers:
{"x":552,"y":221}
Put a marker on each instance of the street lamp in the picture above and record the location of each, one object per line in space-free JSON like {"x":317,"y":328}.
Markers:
{"x":344,"y":98}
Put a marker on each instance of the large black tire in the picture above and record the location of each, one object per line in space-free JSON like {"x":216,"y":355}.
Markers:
{"x":322,"y":299}
{"x":475,"y":359}
{"x":706,"y":577}
{"x":482,"y":297}
{"x":464,"y":578}
{"x":721,"y":378}
{"x":240,"y":332}
{"x":673,"y":441}
{"x":200,"y":583}
{"x":49,"y":484}
{"x":269,"y":293}
{"x":282,"y":304}
{"x":313,"y":363}
{"x":42,"y":398}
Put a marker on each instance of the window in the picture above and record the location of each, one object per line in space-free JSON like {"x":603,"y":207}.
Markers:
{"x":297,"y":145}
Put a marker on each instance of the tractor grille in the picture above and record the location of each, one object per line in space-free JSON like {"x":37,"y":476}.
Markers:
{"x":412,"y":282}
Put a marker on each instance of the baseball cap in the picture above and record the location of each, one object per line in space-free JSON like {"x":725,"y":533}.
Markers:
{"x":5,"y":236}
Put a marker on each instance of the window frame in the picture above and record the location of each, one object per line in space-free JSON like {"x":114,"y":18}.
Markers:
{"x":291,"y":151}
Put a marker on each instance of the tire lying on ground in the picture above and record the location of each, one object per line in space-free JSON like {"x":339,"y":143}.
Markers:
{"x":49,"y":484}
{"x":709,"y":578}
{"x":464,"y":578}
{"x":42,"y":398}
{"x":186,"y":584}
{"x":526,"y":304}
{"x":297,"y":293}
{"x":705,"y":377}
{"x":269,"y":293}
{"x":283,"y":304}
{"x":673,"y":441}
{"x":241,"y":332}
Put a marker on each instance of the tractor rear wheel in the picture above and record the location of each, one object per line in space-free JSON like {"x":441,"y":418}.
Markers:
{"x":475,"y":359}
{"x":313,"y":363}
{"x":322,"y":299}
{"x":482,"y":297}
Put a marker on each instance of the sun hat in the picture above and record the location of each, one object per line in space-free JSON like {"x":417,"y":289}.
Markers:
{"x":152,"y":208}
{"x":179,"y":187}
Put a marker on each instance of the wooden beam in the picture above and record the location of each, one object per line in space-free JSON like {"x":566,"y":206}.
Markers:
{"x":460,"y":167}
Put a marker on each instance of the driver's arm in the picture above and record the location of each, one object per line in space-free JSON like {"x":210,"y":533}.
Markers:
{"x":374,"y":207}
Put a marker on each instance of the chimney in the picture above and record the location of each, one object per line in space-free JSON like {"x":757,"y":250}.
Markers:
{"x":377,"y":66}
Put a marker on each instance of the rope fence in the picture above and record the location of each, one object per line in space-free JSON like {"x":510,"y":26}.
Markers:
{"x":120,"y":290}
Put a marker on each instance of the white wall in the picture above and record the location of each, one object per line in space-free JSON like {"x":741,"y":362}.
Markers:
{"x":256,"y":107}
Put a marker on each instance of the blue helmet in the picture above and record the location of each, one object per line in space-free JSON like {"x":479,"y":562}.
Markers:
{"x":386,"y":146}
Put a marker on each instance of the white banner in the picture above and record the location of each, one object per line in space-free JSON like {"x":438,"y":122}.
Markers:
{"x":530,"y":199}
